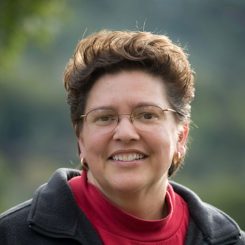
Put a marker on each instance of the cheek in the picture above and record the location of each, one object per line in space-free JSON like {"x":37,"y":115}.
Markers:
{"x":94,"y":146}
{"x":164,"y":144}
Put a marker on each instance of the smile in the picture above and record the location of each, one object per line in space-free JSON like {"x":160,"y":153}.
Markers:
{"x":128,"y":157}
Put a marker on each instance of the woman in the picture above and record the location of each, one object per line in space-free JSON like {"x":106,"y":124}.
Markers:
{"x":129,"y":95}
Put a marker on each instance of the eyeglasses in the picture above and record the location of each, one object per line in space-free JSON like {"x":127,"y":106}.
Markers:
{"x":143,"y":118}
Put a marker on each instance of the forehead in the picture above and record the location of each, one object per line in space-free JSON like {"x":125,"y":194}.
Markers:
{"x":127,"y":88}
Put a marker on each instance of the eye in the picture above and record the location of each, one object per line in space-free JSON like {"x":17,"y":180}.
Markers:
{"x":105,"y":118}
{"x":147,"y":116}
{"x":102,"y":118}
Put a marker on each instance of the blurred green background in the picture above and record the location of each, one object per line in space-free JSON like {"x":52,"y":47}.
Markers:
{"x":38,"y":37}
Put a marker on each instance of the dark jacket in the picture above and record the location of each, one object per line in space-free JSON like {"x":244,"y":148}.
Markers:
{"x":53,"y":217}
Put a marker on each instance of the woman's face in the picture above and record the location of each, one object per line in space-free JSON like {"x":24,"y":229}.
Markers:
{"x":127,"y":159}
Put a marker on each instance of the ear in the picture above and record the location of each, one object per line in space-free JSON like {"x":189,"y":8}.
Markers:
{"x":182,"y":139}
{"x":80,"y":146}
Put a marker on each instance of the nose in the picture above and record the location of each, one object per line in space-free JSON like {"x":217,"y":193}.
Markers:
{"x":125,"y":130}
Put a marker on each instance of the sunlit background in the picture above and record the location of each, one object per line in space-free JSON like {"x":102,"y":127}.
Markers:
{"x":38,"y":37}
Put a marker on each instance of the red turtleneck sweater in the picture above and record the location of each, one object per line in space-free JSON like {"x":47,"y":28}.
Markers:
{"x":117,"y":227}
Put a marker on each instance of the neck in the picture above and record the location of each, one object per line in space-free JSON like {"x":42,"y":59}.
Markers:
{"x":147,"y":207}
{"x":145,"y":204}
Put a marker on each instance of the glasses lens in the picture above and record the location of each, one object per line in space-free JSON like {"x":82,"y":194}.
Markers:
{"x":99,"y":118}
{"x":145,"y":116}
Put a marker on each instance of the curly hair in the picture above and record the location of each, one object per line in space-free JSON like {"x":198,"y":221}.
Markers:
{"x":108,"y":52}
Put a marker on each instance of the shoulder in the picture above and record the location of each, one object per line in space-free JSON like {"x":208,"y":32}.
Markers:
{"x":15,"y":222}
{"x":19,"y":210}
{"x":211,"y":223}
{"x":59,"y":178}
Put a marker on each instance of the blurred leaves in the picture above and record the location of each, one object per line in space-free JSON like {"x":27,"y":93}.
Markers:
{"x":23,"y":21}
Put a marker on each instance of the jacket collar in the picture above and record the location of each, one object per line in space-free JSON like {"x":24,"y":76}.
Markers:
{"x":214,"y":226}
{"x":54,"y":211}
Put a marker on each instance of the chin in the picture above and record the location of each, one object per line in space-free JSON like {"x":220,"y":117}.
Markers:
{"x":127,"y":185}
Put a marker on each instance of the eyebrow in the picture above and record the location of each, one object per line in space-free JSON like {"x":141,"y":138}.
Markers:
{"x":100,"y":108}
{"x":135,"y":106}
{"x":148,"y":104}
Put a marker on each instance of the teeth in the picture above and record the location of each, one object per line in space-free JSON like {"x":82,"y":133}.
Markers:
{"x":128,"y":157}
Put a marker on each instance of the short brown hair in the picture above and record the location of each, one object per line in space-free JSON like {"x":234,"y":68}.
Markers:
{"x":113,"y":51}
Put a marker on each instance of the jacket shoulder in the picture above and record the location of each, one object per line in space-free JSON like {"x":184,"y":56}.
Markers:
{"x":208,"y":222}
{"x":14,"y":222}
{"x":15,"y":212}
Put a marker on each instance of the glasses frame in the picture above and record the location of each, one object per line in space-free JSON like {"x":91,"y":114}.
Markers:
{"x":84,"y":116}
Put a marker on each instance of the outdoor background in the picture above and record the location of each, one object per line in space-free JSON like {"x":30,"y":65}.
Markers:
{"x":38,"y":37}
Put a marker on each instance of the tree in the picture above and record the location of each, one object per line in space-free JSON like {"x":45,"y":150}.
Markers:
{"x":22,"y":21}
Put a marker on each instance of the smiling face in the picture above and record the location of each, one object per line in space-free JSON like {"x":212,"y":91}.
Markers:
{"x":129,"y":160}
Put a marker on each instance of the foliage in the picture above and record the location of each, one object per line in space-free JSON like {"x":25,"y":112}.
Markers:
{"x":23,"y":21}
